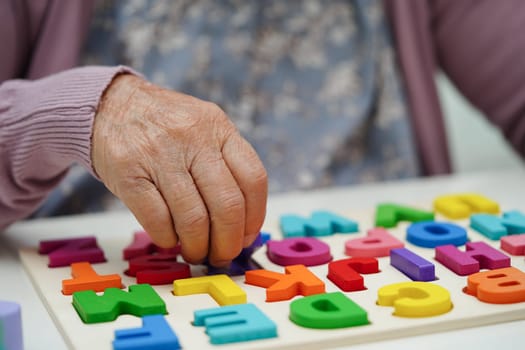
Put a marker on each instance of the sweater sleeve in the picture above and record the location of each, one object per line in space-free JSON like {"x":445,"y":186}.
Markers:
{"x":45,"y":127}
{"x":477,"y":47}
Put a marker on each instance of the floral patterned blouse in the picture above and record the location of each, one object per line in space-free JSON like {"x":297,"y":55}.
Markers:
{"x":312,"y":85}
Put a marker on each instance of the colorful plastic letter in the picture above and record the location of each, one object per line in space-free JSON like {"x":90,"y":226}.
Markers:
{"x":501,"y":286}
{"x":478,"y":255}
{"x":297,"y":280}
{"x":157,"y":269}
{"x":514,"y":244}
{"x":155,"y":334}
{"x":220,"y":287}
{"x":493,"y":227}
{"x":10,"y":326}
{"x":377,"y":243}
{"x":345,"y":273}
{"x":433,"y":234}
{"x":307,"y":251}
{"x":388,"y":215}
{"x":412,"y":265}
{"x":235,"y":323}
{"x":327,"y":311}
{"x":85,"y":278}
{"x":64,"y":252}
{"x":461,"y":206}
{"x":143,"y":245}
{"x":415,"y":299}
{"x":139,"y":301}
{"x":322,"y":223}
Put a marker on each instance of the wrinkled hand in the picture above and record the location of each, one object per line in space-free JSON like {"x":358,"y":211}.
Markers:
{"x":181,"y":167}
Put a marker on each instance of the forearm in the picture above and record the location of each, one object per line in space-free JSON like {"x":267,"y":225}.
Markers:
{"x":45,"y":127}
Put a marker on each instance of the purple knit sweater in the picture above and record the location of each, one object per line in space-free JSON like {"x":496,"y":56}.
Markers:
{"x":45,"y":124}
{"x":45,"y":127}
{"x":46,"y":106}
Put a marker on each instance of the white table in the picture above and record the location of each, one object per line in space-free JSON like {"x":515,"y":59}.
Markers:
{"x":505,"y":186}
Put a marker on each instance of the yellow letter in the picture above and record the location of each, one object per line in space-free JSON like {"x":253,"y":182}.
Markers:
{"x":415,"y":299}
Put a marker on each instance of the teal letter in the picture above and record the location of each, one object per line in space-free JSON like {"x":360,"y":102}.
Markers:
{"x":322,"y":223}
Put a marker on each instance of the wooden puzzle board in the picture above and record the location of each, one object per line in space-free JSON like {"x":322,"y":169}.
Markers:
{"x":467,"y":310}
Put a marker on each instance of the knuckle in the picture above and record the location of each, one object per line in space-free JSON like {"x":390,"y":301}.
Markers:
{"x":218,"y":116}
{"x":231,"y":212}
{"x":214,"y":109}
{"x":258,"y":177}
{"x":231,"y":201}
{"x":192,"y":222}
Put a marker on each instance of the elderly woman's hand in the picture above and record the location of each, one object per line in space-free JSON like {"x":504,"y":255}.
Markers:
{"x":181,"y":167}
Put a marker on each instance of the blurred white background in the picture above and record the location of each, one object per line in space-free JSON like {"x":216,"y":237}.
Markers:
{"x":474,"y":143}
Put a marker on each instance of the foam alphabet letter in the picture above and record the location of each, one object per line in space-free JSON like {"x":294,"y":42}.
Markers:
{"x":297,"y":280}
{"x":461,"y":206}
{"x":388,"y":215}
{"x":157,"y":269}
{"x":155,"y":333}
{"x":327,"y":311}
{"x":478,"y":255}
{"x":307,"y":251}
{"x":514,"y":244}
{"x":501,"y":286}
{"x":220,"y":287}
{"x":345,"y":273}
{"x":143,"y":245}
{"x":322,"y":223}
{"x":85,"y":278}
{"x":412,"y":265}
{"x":64,"y":252}
{"x":11,"y":337}
{"x":493,"y":227}
{"x":139,"y":301}
{"x":415,"y":299}
{"x":235,"y":323}
{"x":433,"y":234}
{"x":377,"y":244}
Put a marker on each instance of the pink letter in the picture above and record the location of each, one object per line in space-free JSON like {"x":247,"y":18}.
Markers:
{"x":307,"y":251}
{"x":478,"y":255}
{"x":378,"y":243}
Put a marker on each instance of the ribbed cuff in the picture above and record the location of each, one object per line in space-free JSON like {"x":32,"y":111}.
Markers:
{"x":54,"y":115}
